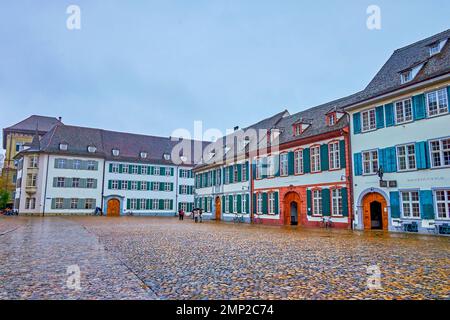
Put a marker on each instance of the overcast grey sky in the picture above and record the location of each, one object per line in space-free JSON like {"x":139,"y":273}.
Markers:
{"x":153,"y":66}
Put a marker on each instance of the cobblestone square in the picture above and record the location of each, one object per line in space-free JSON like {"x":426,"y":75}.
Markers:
{"x":163,"y":258}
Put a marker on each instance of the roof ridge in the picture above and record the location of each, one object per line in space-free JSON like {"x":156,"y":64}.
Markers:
{"x":438,"y":35}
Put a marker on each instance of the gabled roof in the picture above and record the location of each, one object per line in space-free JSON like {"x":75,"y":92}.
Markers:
{"x":388,"y":79}
{"x":129,"y":145}
{"x":40,"y":123}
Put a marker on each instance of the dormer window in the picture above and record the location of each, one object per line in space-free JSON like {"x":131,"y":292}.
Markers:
{"x":406,"y":76}
{"x":92,"y":149}
{"x":183,"y":158}
{"x":143,"y":155}
{"x":331,"y":119}
{"x":410,"y":74}
{"x":300,"y":126}
{"x":63,"y":146}
{"x":166,"y":156}
{"x":297,"y":129}
{"x":115,"y":152}
{"x":436,"y":47}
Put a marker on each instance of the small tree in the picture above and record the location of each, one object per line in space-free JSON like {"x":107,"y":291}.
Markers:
{"x":4,"y":198}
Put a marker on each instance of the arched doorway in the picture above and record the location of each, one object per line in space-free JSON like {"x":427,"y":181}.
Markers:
{"x":113,"y":208}
{"x":218,"y":208}
{"x":291,"y":209}
{"x":375,"y":215}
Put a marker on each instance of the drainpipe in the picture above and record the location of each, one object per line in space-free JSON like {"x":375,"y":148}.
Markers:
{"x":177,"y":173}
{"x":103,"y":185}
{"x":349,"y":172}
{"x":46,"y":180}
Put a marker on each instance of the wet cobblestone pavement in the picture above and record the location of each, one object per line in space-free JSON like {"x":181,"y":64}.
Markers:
{"x":183,"y":260}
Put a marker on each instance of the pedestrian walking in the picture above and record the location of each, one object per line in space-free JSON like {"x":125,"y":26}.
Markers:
{"x":180,"y":214}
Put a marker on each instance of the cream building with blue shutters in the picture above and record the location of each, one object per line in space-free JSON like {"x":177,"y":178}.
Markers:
{"x":400,"y":136}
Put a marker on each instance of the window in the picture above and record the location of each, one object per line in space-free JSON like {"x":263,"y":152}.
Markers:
{"x":91,"y":165}
{"x":183,"y":206}
{"x":133,"y":204}
{"x":208,"y":204}
{"x":115,"y":152}
{"x":410,"y":204}
{"x":406,"y":157}
{"x":144,"y":170}
{"x":315,"y":159}
{"x":334,"y":154}
{"x":75,"y":182}
{"x":155,"y":204}
{"x":134,"y":185}
{"x":156,"y":171}
{"x":272,"y":203}
{"x":244,"y":172}
{"x":317,"y":202}
{"x":114,"y":184}
{"x":259,"y":203}
{"x":235,"y":173}
{"x":167,"y":204}
{"x":167,"y":186}
{"x":336,"y":202}
{"x":297,"y":130}
{"x":437,"y":102}
{"x":440,"y":153}
{"x":270,"y":166}
{"x":298,"y":162}
{"x":370,"y":162}
{"x":406,"y":76}
{"x":143,"y":204}
{"x":74,"y":203}
{"x":125,"y":168}
{"x":115,"y":168}
{"x":227,"y":175}
{"x":284,"y":164}
{"x":92,"y":149}
{"x":403,"y":111}
{"x":259,"y":168}
{"x":143,"y":155}
{"x":368,"y":120}
{"x":235,"y":202}
{"x":168,"y":171}
{"x":435,"y":48}
{"x":59,"y":203}
{"x":60,"y":163}
{"x":30,"y":203}
{"x":19,"y":146}
{"x":218,"y":175}
{"x":60,"y":182}
{"x":134,"y":170}
{"x":63,"y":146}
{"x":443,"y":204}
{"x":76,"y":164}
{"x":89,"y":204}
{"x":144,"y":186}
{"x":184,"y":173}
{"x":124,"y":185}
{"x":90,"y":183}
{"x":331,"y":120}
{"x":33,"y":162}
{"x":31,"y":180}
{"x":227,"y":204}
{"x":184,"y":189}
{"x":244,"y":204}
{"x":155,"y":186}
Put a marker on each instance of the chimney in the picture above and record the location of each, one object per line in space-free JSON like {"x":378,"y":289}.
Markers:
{"x":236,"y":128}
{"x":59,"y":119}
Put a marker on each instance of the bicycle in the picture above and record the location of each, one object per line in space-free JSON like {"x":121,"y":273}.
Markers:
{"x":238,"y":218}
{"x":326,"y":223}
{"x":257,"y":219}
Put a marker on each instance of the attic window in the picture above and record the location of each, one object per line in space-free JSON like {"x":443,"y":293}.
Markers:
{"x":297,"y":129}
{"x":143,"y":155}
{"x":92,"y":149}
{"x":406,"y":76}
{"x":436,"y":47}
{"x":410,"y":74}
{"x":183,"y":158}
{"x":331,"y":119}
{"x":166,"y":156}
{"x":63,"y":146}
{"x":115,"y":152}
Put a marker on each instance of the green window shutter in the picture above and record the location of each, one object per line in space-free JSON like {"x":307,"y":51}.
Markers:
{"x":161,"y":204}
{"x":324,"y":161}
{"x":95,"y":183}
{"x":55,"y":182}
{"x":254,"y":203}
{"x":68,"y":182}
{"x":53,"y":203}
{"x":389,"y":113}
{"x":230,"y":172}
{"x":422,"y":160}
{"x":84,"y":165}
{"x":129,"y":185}
{"x":344,"y":202}
{"x":163,"y":171}
{"x":171,"y":187}
{"x":379,"y":114}
{"x":130,"y":169}
{"x":69,"y":164}
{"x":342,"y":153}
{"x":214,"y":177}
{"x":139,"y":185}
{"x":139,"y":169}
{"x":239,"y":203}
{"x":230,"y":199}
{"x":306,"y":161}
{"x":161,"y":186}
{"x":326,"y":208}
{"x":120,"y":168}
{"x":83,"y":183}
{"x":66,"y":204}
{"x":426,"y":205}
{"x":172,"y":172}
{"x":171,"y":204}
{"x":395,"y":204}
{"x":264,"y":204}
{"x":128,"y":204}
{"x":357,"y":161}
{"x":81,"y":203}
{"x":96,"y":165}
{"x":276,"y":202}
{"x":419,"y":109}
{"x":357,"y":123}
{"x":110,"y":167}
{"x":223,"y":204}
{"x":309,"y":202}
{"x":179,"y":189}
{"x":291,"y":165}
{"x":239,"y":168}
{"x":247,"y":172}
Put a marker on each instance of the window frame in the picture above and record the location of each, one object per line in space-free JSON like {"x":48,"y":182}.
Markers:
{"x":340,"y":202}
{"x":336,"y":164}
{"x":312,"y":159}
{"x":446,"y":203}
{"x":411,"y":203}
{"x":441,"y":153}
{"x":403,"y":108}
{"x":259,"y":203}
{"x":370,"y":162}
{"x":407,"y":156}
{"x":313,"y":203}
{"x":284,"y":168}
{"x":271,"y":203}
{"x":369,"y":112}
{"x":296,"y":162}
{"x":436,"y":92}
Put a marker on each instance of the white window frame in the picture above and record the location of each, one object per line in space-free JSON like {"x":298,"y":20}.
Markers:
{"x":144,"y":186}
{"x":167,"y":186}
{"x":317,"y":202}
{"x":34,"y":161}
{"x":270,"y":166}
{"x":91,"y":165}
{"x":410,"y":203}
{"x":144,"y":170}
{"x":271,"y":204}
{"x":284,"y":164}
{"x":439,"y":110}
{"x":31,"y":180}
{"x":60,"y":163}
{"x":337,"y":202}
{"x":157,"y":171}
{"x":298,"y":162}
{"x":133,"y":204}
{"x":218,"y":177}
{"x":74,"y":203}
{"x":76,"y":164}
{"x":154,"y":204}
{"x":315,"y":159}
{"x":60,"y":182}
{"x":227,"y":204}
{"x":445,"y":203}
{"x":155,"y":186}
{"x":259,"y":168}
{"x":134,"y":185}
{"x":244,"y":203}
{"x":403,"y":107}
{"x":407,"y":157}
{"x":168,"y":172}
{"x":143,"y":204}
{"x":90,"y":182}
{"x":115,"y":184}
{"x":59,"y":203}
{"x":125,"y":168}
{"x":89,"y":203}
{"x":134,"y":169}
{"x":244,"y":172}
{"x":334,"y":155}
{"x":441,"y":152}
{"x":259,"y":203}
{"x":115,"y":168}
{"x":184,"y":189}
{"x":75,"y":182}
{"x":124,"y":183}
{"x":371,"y":162}
{"x":235,"y":202}
{"x":371,"y":125}
{"x":208,"y":204}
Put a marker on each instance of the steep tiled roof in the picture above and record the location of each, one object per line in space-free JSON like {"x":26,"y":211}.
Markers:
{"x":129,"y":145}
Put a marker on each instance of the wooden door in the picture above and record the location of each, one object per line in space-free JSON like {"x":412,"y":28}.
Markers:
{"x":113,"y":209}
{"x":368,"y":199}
{"x":218,"y":208}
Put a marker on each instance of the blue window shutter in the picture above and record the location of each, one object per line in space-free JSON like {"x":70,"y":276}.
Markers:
{"x":239,"y":175}
{"x":308,"y":202}
{"x":326,"y":210}
{"x":382,"y":159}
{"x":230,"y":199}
{"x":357,"y":159}
{"x":324,"y":161}
{"x":264,"y":204}
{"x":276,"y":202}
{"x":421,"y":149}
{"x":357,"y":123}
{"x":291,"y":164}
{"x":246,"y":171}
{"x":254,"y":203}
{"x":247,"y":199}
{"x":254,"y":170}
{"x":379,"y":111}
{"x":419,"y":110}
{"x":390,"y":159}
{"x":344,"y":202}
{"x":128,"y":203}
{"x":306,"y":161}
{"x":426,"y":204}
{"x":110,"y":167}
{"x":389,"y":112}
{"x":239,"y":203}
{"x":342,"y":154}
{"x":395,"y":204}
